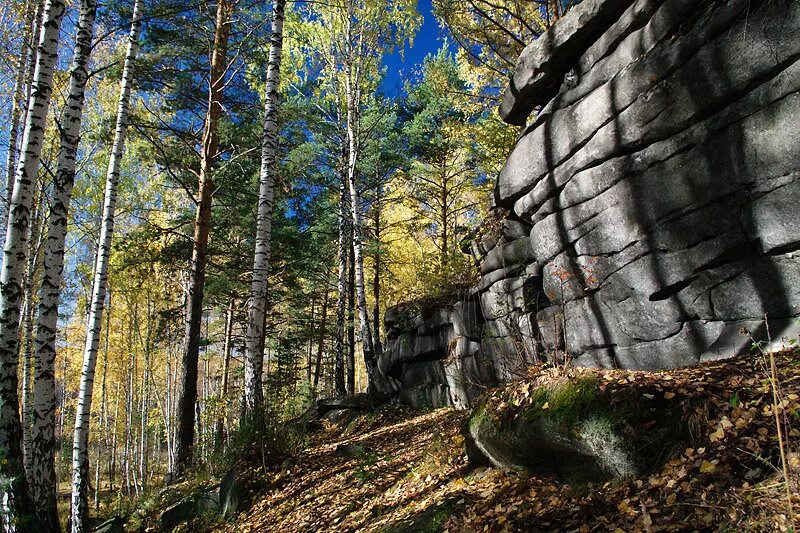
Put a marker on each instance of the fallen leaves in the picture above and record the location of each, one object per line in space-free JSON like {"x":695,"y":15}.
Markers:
{"x":725,"y":480}
{"x":706,"y":467}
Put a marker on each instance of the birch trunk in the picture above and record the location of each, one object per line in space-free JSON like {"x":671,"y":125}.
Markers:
{"x":17,"y":509}
{"x":341,"y":303}
{"x":350,"y":361}
{"x":80,"y":451}
{"x":27,"y":332}
{"x":187,"y":399}
{"x":22,"y":83}
{"x":353,"y":100}
{"x":266,"y":191}
{"x":42,"y":470}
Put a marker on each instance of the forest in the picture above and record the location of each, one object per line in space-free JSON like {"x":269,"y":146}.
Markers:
{"x":213,"y":204}
{"x":215,"y":215}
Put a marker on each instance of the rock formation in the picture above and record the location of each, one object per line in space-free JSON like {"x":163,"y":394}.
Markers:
{"x":648,"y":212}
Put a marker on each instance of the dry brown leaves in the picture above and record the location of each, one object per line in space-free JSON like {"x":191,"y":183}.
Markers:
{"x":414,"y":476}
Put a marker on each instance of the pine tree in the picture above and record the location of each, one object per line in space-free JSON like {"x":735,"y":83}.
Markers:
{"x":187,"y":400}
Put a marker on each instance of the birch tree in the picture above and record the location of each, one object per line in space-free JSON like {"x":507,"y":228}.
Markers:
{"x":266,"y":192}
{"x":41,"y":473}
{"x":19,"y":103}
{"x":351,"y":39}
{"x":341,"y":302}
{"x":80,"y":445}
{"x":187,"y":399}
{"x":17,"y":506}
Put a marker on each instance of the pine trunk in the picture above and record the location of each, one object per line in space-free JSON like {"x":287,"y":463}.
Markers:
{"x":80,"y":446}
{"x":17,"y":503}
{"x":187,"y":400}
{"x":269,"y":149}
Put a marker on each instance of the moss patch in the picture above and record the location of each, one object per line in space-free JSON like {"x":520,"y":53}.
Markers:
{"x":576,"y":428}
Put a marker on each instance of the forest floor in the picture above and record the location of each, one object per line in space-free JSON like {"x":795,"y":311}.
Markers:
{"x":405,"y":470}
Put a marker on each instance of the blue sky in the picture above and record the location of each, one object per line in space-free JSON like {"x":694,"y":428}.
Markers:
{"x":429,"y":38}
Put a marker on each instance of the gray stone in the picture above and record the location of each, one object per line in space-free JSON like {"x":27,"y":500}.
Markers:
{"x":467,"y":318}
{"x":737,"y":338}
{"x":512,"y":254}
{"x":341,"y":417}
{"x":112,"y":525}
{"x":630,"y":110}
{"x":232,"y":493}
{"x":351,"y":450}
{"x":514,"y":229}
{"x":654,"y":202}
{"x":543,"y":63}
{"x":177,"y":514}
{"x":426,"y":396}
{"x":422,"y":373}
{"x":582,"y":440}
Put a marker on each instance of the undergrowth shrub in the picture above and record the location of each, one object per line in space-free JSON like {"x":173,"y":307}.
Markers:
{"x":260,"y":439}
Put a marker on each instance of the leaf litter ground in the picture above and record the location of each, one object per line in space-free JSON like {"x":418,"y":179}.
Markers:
{"x":406,"y":470}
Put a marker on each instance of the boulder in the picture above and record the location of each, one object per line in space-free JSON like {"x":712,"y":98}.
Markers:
{"x":351,"y":450}
{"x":576,"y":432}
{"x":232,"y":493}
{"x":112,"y":525}
{"x":177,"y":514}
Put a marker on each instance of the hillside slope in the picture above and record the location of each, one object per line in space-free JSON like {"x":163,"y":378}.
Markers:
{"x":405,"y":470}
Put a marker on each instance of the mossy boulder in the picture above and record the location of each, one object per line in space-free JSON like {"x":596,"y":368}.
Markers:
{"x":577,"y":432}
{"x":112,"y":525}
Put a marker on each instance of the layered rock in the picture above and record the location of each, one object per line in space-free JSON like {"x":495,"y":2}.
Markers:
{"x":652,"y":199}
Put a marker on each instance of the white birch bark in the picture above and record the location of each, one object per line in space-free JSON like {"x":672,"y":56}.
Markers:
{"x":352,"y":92}
{"x":269,"y":148}
{"x":80,"y":450}
{"x":16,"y":503}
{"x":19,"y":104}
{"x":341,"y":302}
{"x":42,"y":473}
{"x":27,"y":330}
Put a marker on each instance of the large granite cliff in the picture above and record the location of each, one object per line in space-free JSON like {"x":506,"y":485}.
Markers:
{"x":649,"y":211}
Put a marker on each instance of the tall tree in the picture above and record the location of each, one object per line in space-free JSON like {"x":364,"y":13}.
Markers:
{"x":17,"y":503}
{"x":25,"y":64}
{"x":187,"y":400}
{"x":341,"y":387}
{"x":80,"y":446}
{"x":269,"y":148}
{"x":42,"y":469}
{"x":351,"y":39}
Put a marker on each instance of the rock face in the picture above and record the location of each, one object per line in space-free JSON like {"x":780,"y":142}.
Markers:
{"x":651,"y":205}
